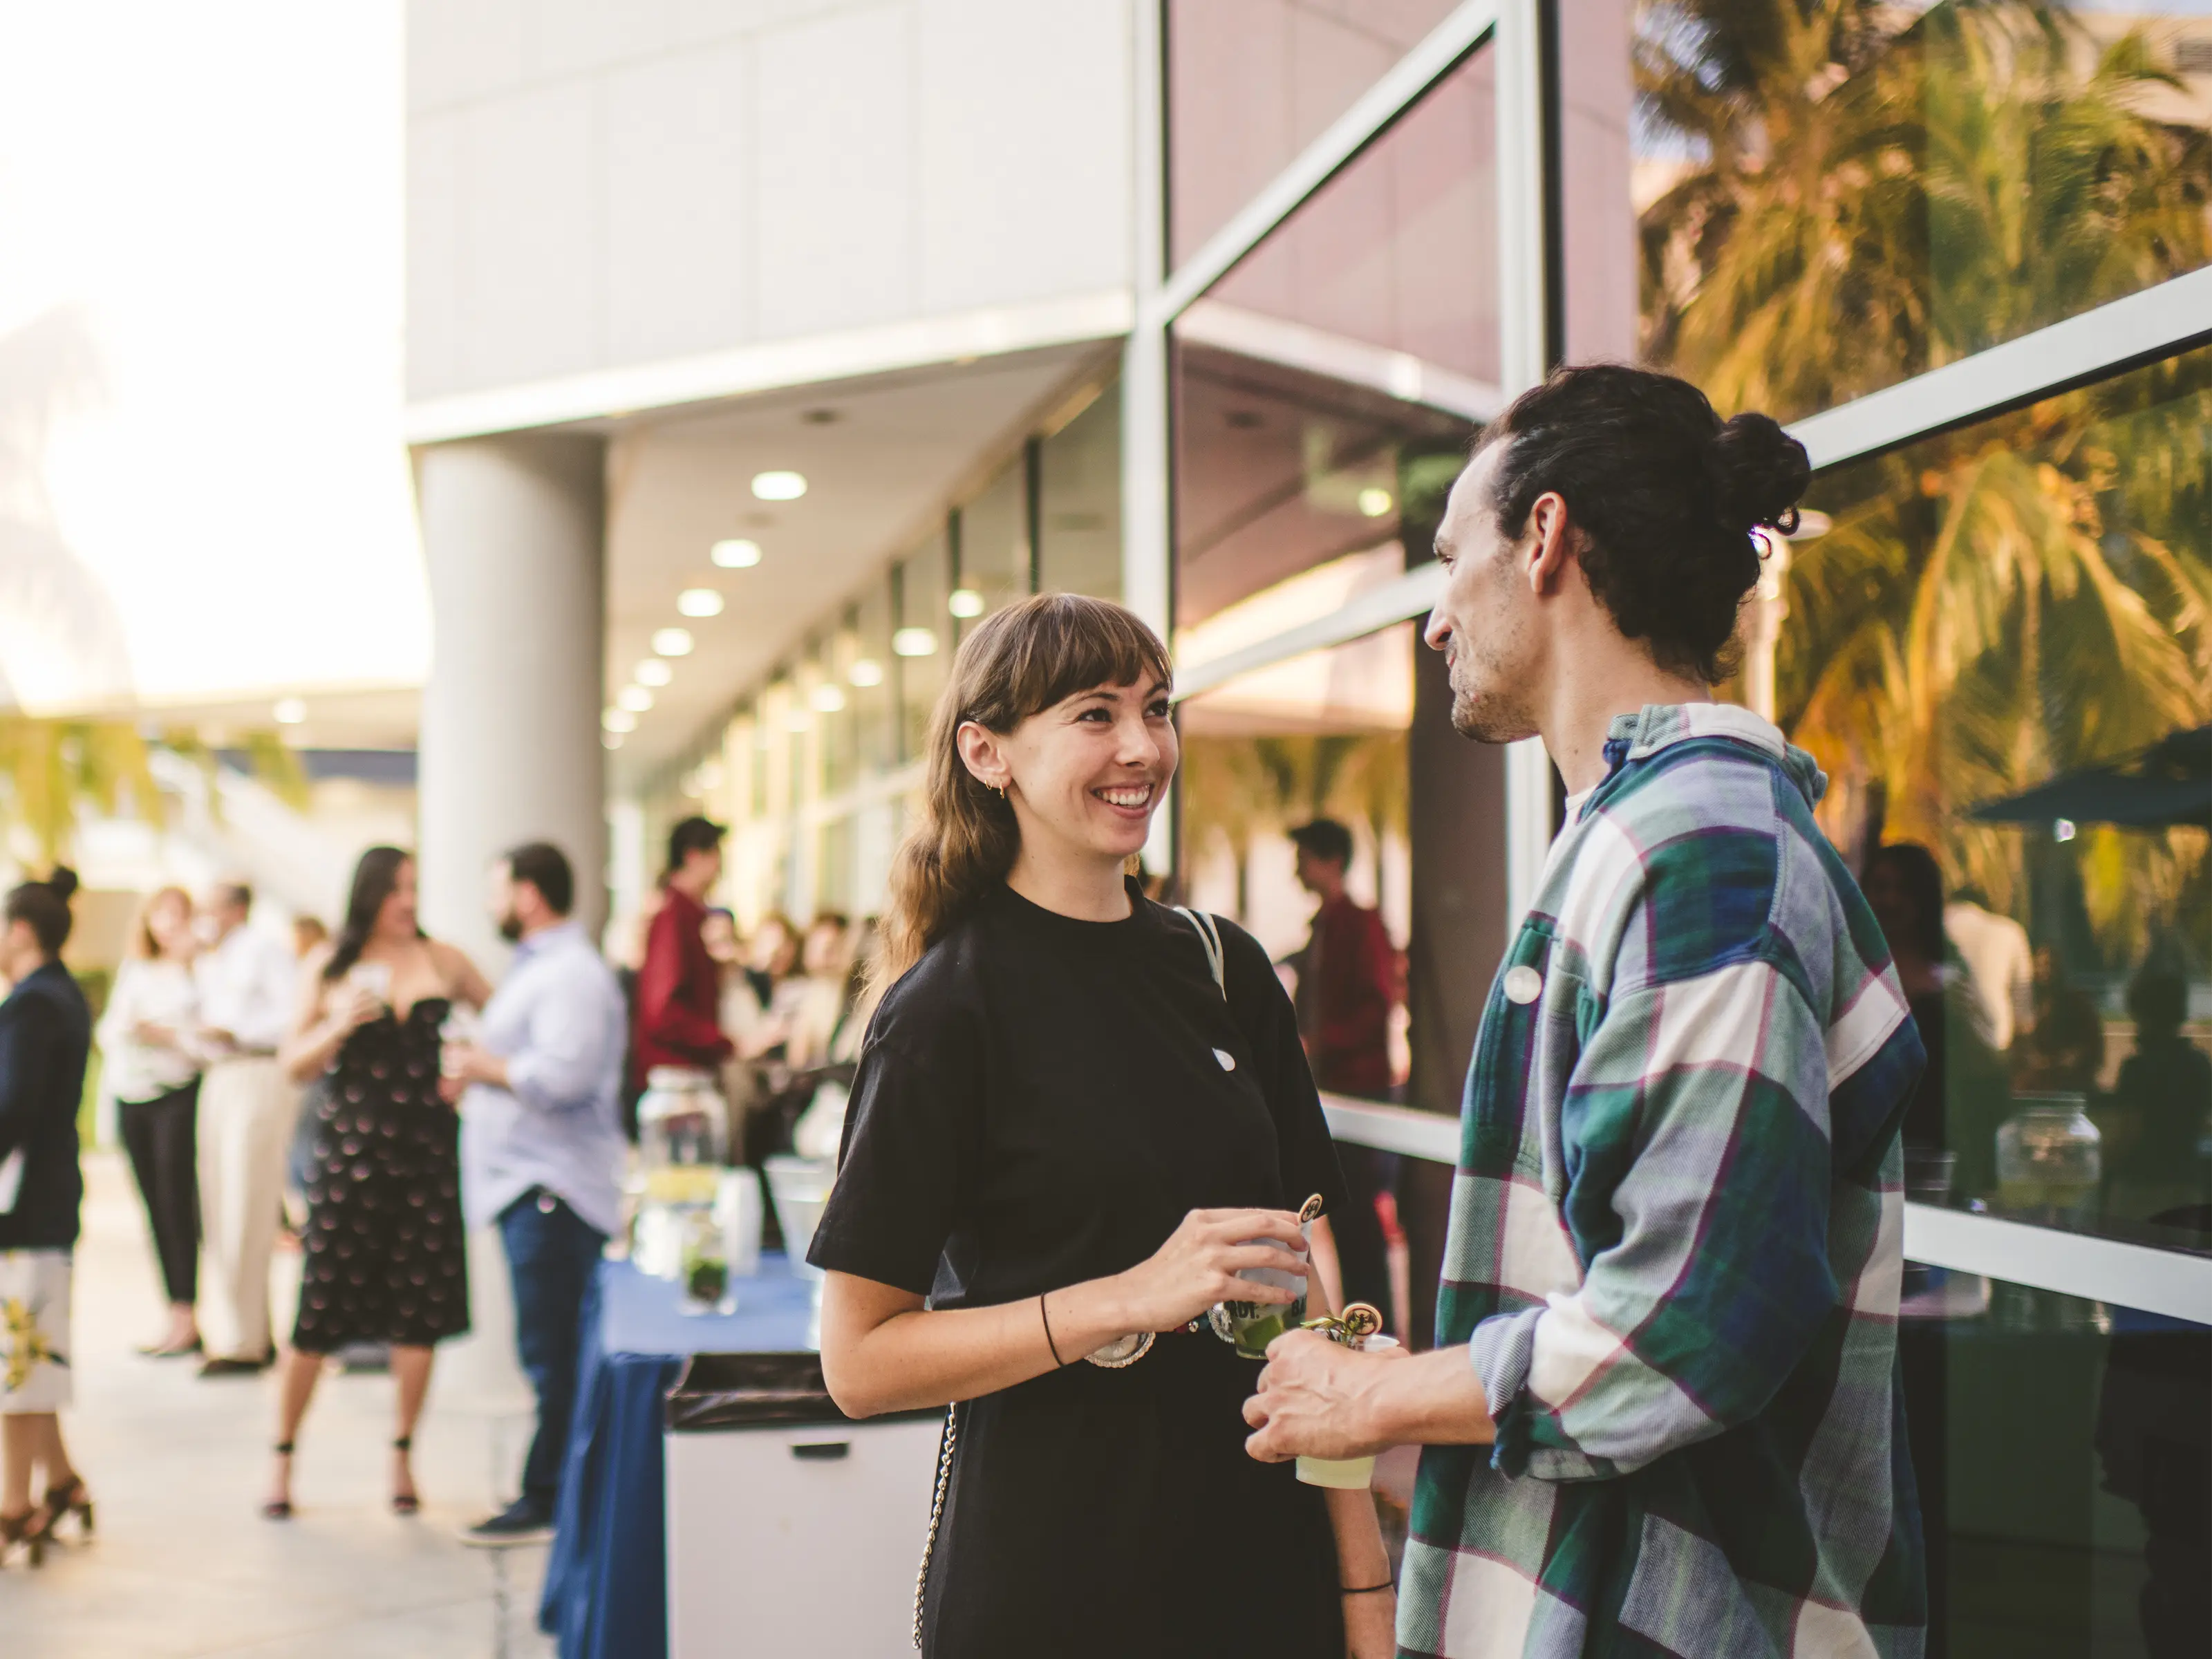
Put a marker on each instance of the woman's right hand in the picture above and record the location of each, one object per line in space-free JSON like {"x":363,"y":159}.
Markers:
{"x":1199,"y":1266}
{"x":355,"y":1006}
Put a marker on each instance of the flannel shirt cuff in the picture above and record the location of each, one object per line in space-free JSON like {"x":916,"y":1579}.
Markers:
{"x":1503,"y":1348}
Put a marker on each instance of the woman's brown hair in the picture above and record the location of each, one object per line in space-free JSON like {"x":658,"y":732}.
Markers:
{"x":144,"y":947}
{"x":1018,"y":662}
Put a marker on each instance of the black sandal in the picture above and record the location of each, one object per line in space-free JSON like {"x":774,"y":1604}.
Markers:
{"x":279,"y":1508}
{"x":63,"y":1502}
{"x":28,"y":1530}
{"x":406,"y":1502}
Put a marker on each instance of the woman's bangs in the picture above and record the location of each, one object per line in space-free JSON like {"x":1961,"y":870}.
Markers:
{"x":1081,"y":643}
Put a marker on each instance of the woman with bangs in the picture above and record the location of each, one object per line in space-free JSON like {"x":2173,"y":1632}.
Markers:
{"x":1067,"y":1138}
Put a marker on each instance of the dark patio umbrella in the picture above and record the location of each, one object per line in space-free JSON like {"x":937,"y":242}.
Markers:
{"x":2168,"y":783}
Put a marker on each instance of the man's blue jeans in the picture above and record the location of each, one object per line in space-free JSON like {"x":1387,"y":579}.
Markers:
{"x":551,"y":1253}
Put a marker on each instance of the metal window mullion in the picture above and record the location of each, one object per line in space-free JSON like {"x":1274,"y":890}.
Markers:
{"x":2142,"y":328}
{"x":1526,"y":353}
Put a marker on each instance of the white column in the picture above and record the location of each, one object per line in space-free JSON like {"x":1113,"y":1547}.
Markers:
{"x":513,"y":530}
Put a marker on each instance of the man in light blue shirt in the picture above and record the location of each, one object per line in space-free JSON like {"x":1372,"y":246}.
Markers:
{"x":541,"y":1144}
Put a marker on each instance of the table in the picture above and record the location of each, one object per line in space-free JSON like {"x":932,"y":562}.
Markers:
{"x":606,"y":1581}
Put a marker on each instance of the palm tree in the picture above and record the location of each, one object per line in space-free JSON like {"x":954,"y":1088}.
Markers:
{"x":1862,"y":202}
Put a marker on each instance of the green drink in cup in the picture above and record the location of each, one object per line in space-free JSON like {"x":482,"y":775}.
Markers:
{"x":1249,"y":1327}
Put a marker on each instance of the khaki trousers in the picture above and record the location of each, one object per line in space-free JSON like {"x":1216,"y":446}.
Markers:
{"x":246,"y":1112}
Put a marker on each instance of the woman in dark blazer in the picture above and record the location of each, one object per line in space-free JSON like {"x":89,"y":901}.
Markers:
{"x":46,"y":1032}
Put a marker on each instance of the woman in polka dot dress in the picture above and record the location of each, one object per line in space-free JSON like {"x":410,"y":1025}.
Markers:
{"x":383,"y":1256}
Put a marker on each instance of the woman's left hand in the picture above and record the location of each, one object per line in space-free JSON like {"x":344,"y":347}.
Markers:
{"x":1371,"y":1625}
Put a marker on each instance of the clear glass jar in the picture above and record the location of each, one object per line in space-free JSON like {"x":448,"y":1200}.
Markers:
{"x":2050,"y":1159}
{"x":683,"y":1135}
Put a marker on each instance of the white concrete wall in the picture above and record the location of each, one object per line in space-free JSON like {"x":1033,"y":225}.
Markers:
{"x":594,"y":185}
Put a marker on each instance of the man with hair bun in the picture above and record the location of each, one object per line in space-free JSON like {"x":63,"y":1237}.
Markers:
{"x":1662,"y":1415}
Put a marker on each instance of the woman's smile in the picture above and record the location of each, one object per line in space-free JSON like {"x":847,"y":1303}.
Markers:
{"x":1132,"y":801}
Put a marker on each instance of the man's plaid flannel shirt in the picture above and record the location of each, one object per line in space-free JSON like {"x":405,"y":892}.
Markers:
{"x":1675,"y":1241}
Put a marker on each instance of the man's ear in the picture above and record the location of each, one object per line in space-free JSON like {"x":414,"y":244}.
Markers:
{"x":1552,"y":540}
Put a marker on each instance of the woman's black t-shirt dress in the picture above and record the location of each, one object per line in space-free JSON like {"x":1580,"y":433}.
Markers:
{"x":1041,"y":1101}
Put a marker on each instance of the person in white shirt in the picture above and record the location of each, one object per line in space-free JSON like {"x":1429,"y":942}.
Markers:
{"x":1999,"y":965}
{"x":148,"y":1047}
{"x":245,"y":980}
{"x":542,"y":1144}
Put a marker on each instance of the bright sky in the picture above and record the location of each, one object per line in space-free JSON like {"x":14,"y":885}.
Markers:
{"x":202,"y":488}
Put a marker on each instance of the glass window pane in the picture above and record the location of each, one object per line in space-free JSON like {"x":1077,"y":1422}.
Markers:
{"x":868,"y":680}
{"x":1251,"y":83}
{"x":2000,"y":651}
{"x":2061,"y":1451}
{"x":994,"y":548}
{"x":1079,"y":518}
{"x":1322,"y":735}
{"x":1827,"y":200}
{"x":1345,"y":362}
{"x":921,"y":643}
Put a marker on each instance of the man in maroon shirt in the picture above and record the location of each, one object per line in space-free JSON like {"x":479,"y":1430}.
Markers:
{"x":679,"y":988}
{"x":1347,"y":985}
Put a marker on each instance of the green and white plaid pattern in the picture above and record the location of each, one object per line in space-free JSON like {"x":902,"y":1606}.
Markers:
{"x":1675,"y":1242}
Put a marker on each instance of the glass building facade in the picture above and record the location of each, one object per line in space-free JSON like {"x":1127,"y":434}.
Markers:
{"x":1962,"y":248}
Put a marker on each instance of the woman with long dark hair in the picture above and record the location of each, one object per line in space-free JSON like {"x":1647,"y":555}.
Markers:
{"x":1073,"y":1123}
{"x":383,"y":1257}
{"x":46,"y":1034}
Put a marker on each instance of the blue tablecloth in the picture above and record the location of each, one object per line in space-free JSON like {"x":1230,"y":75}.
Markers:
{"x":606,"y":1582}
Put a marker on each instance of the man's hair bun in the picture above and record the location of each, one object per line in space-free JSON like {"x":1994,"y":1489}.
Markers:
{"x":63,"y":882}
{"x":1758,"y":472}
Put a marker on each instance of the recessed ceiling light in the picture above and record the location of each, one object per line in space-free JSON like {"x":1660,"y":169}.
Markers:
{"x":289,"y":711}
{"x":672,"y":641}
{"x":699,"y":602}
{"x":618,"y":720}
{"x":1375,"y":501}
{"x":652,"y":671}
{"x":635,"y":698}
{"x":821,"y":417}
{"x":965,"y":602}
{"x":779,"y":486}
{"x":915,"y":642}
{"x":610,"y":740}
{"x":739,"y":553}
{"x":865,"y":672}
{"x":829,"y":698}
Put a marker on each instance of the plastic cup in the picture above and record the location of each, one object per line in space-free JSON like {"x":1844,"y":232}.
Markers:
{"x":1345,"y":1473}
{"x":1249,"y":1327}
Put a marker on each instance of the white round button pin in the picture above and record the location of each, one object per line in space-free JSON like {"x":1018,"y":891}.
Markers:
{"x":1228,"y":1061}
{"x":1522,"y":983}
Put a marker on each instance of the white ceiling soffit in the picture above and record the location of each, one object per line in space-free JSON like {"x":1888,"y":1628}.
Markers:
{"x":1398,"y":374}
{"x":883,"y":458}
{"x":813,"y":360}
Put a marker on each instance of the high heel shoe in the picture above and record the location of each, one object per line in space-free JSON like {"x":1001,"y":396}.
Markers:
{"x":280,"y":1509}
{"x":406,"y":1502}
{"x":28,"y":1530}
{"x":62,"y":1503}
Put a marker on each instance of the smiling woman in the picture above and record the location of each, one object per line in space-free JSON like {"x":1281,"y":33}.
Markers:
{"x":1069,"y":1133}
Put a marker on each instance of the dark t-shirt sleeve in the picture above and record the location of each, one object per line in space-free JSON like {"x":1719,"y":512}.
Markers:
{"x":911,"y":1134}
{"x":1263,"y":1013}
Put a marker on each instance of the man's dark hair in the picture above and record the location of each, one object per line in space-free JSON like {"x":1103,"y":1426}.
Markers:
{"x":1920,"y":876}
{"x":545,"y":868}
{"x":692,"y":835}
{"x":1666,"y":495}
{"x":2158,"y":1002}
{"x":1325,"y":838}
{"x":236,"y":892}
{"x":44,"y":907}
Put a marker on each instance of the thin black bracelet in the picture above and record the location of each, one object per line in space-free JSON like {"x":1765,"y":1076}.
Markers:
{"x":1369,"y":1590}
{"x":1048,"y":1342}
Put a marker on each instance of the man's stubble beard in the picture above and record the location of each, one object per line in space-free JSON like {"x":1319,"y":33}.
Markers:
{"x":1496,"y":713}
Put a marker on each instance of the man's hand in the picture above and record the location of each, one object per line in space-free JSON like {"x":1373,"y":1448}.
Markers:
{"x":463,"y":1063}
{"x":1314,"y":1400}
